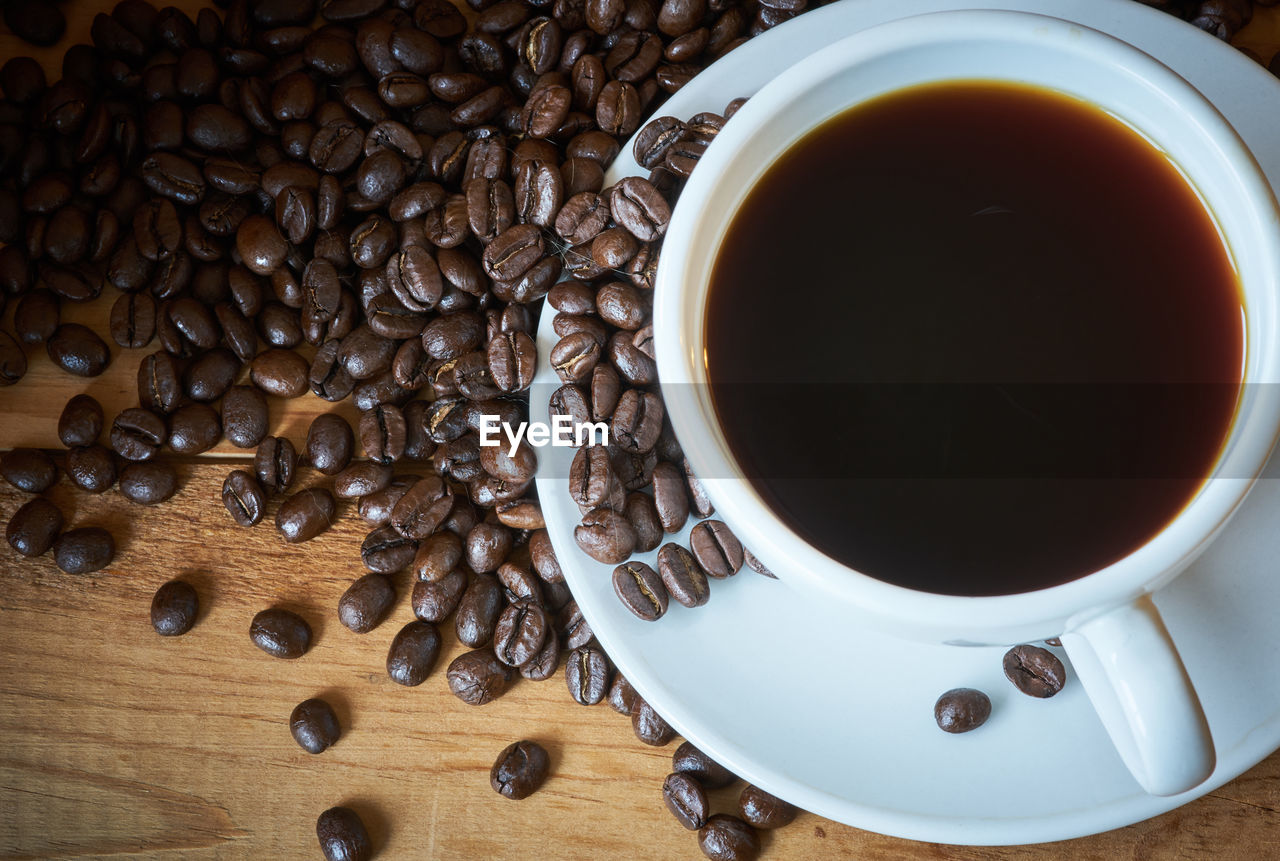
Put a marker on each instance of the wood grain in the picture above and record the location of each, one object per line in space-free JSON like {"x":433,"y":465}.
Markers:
{"x":117,"y":742}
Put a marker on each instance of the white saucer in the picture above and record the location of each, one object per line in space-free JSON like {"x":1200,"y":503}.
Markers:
{"x":839,"y":721}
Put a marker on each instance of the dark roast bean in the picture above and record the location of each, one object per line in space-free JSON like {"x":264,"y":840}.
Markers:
{"x":169,"y":175}
{"x":243,"y":498}
{"x":148,"y":483}
{"x":137,"y":434}
{"x":582,"y":218}
{"x":275,"y":464}
{"x":366,"y":603}
{"x":174,"y":608}
{"x":756,"y":565}
{"x":382,"y":434}
{"x":76,"y":349}
{"x":133,"y":320}
{"x":520,"y":770}
{"x":520,"y":633}
{"x":962,"y":710}
{"x":478,"y":677}
{"x":606,"y":536}
{"x":573,"y":626}
{"x":477,"y":614}
{"x":728,"y":838}
{"x":341,"y":832}
{"x":35,"y":318}
{"x":386,"y":551}
{"x":34,"y":527}
{"x":280,"y":633}
{"x":91,"y":467}
{"x":305,"y":515}
{"x":649,"y":726}
{"x":28,"y":469}
{"x":282,"y":373}
{"x":686,"y":799}
{"x":376,"y":507}
{"x":587,"y":674}
{"x":543,"y":557}
{"x":244,"y":416}
{"x":13,"y":362}
{"x":543,"y":665}
{"x":763,"y":810}
{"x":436,"y":601}
{"x":422,"y":508}
{"x":413,"y":653}
{"x":699,"y":501}
{"x":314,"y":725}
{"x":575,"y":356}
{"x":641,"y":590}
{"x":487,"y":546}
{"x":1035,"y":671}
{"x":84,"y":550}
{"x":689,"y":760}
{"x":716,"y":548}
{"x":159,"y":383}
{"x":437,"y":556}
{"x":591,"y":477}
{"x":622,"y":696}
{"x":361,"y":479}
{"x":685,"y":580}
{"x":260,"y":244}
{"x":329,"y":443}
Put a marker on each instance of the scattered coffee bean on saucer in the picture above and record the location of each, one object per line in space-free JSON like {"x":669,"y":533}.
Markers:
{"x":1035,"y":671}
{"x":962,"y":710}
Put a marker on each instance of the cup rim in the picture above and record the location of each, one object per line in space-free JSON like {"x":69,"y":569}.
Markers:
{"x":1248,"y":444}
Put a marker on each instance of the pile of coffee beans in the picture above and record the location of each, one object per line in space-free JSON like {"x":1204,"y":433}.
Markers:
{"x":371,"y":204}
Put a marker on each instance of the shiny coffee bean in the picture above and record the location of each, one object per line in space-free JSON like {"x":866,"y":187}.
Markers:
{"x":34,"y":527}
{"x":329,"y":444}
{"x":728,"y":838}
{"x":243,"y":498}
{"x":762,"y":810}
{"x":687,"y":800}
{"x":520,"y":770}
{"x":92,"y":467}
{"x":76,"y":349}
{"x":685,"y":580}
{"x":280,"y":633}
{"x":305,"y":515}
{"x":84,"y":550}
{"x":148,"y":483}
{"x":341,"y":832}
{"x":174,"y":608}
{"x":521,"y":632}
{"x":478,"y":677}
{"x":436,"y":601}
{"x":648,"y":725}
{"x":366,"y":603}
{"x":413,"y":653}
{"x":244,"y":416}
{"x":28,"y":469}
{"x":1035,"y":671}
{"x":275,"y":464}
{"x":689,"y":760}
{"x":641,"y":590}
{"x":314,"y":725}
{"x":716,"y":549}
{"x":606,"y":536}
{"x":962,"y":710}
{"x":588,"y":673}
{"x":477,"y":614}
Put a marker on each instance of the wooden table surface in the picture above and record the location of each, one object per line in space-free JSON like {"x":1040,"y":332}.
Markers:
{"x":117,"y":742}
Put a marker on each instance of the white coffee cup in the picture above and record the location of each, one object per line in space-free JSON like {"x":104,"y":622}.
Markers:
{"x":1112,"y":632}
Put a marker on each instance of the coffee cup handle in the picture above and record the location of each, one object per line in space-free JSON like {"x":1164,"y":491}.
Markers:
{"x":1130,"y":668}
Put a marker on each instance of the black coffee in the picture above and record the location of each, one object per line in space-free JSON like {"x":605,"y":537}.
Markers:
{"x":974,"y":339}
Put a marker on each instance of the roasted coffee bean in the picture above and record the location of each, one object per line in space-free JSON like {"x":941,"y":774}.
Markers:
{"x":314,"y":725}
{"x":244,"y":416}
{"x":376,"y":507}
{"x":328,"y":378}
{"x":159,"y":383}
{"x":305,"y":515}
{"x":512,"y":358}
{"x":685,"y":580}
{"x":519,"y":583}
{"x":91,"y":468}
{"x":280,"y":633}
{"x":520,"y":770}
{"x":243,"y":498}
{"x":422,"y":508}
{"x":582,"y":218}
{"x":260,"y":244}
{"x":478,"y":677}
{"x":477,"y":614}
{"x":366,"y":354}
{"x":756,"y":565}
{"x":487,"y":546}
{"x":689,"y":760}
{"x":361,"y":479}
{"x":84,"y":550}
{"x":436,"y":601}
{"x":437,"y":556}
{"x":366,"y":603}
{"x":35,"y":318}
{"x":962,"y":710}
{"x":649,"y":726}
{"x":728,"y":838}
{"x":716,"y":548}
{"x":382,"y":434}
{"x":75,"y":348}
{"x":194,"y":429}
{"x":573,"y":626}
{"x":587,"y":674}
{"x":453,"y":335}
{"x":148,"y":483}
{"x":275,"y":464}
{"x":670,"y":496}
{"x":763,"y":810}
{"x":172,"y":176}
{"x":34,"y":527}
{"x":699,"y":501}
{"x":621,"y":305}
{"x":613,"y":249}
{"x":575,"y":356}
{"x":687,"y":800}
{"x":622,"y":696}
{"x":1035,"y":671}
{"x":513,"y":252}
{"x":413,"y":653}
{"x":137,"y":434}
{"x":13,"y":362}
{"x":341,"y":832}
{"x":386,"y":551}
{"x":521,"y":632}
{"x":641,"y":590}
{"x":606,"y":536}
{"x":637,"y":421}
{"x":642,"y":515}
{"x":591,"y":477}
{"x":329,"y":443}
{"x":280,"y":326}
{"x":29,"y":469}
{"x":543,"y":557}
{"x":174,"y":608}
{"x":282,"y":373}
